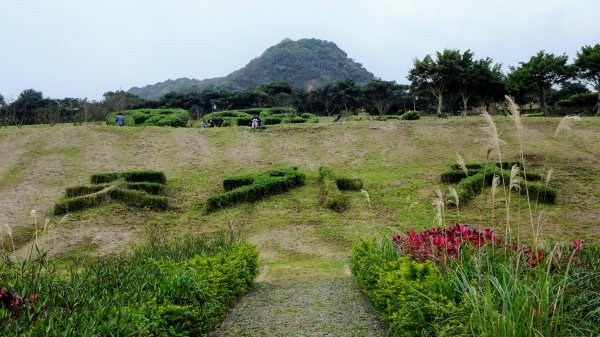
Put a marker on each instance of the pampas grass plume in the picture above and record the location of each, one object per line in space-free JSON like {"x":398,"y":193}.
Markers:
{"x":461,"y":163}
{"x":514,"y":179}
{"x":565,"y":124}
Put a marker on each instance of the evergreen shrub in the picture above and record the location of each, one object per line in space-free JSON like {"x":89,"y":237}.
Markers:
{"x":152,"y":117}
{"x":263,"y":185}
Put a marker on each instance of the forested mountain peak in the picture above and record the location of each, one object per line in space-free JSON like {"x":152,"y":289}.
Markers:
{"x":306,"y":63}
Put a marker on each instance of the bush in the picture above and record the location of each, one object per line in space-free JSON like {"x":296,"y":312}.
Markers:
{"x":182,"y":289}
{"x":152,"y":117}
{"x":579,"y":100}
{"x":410,"y":115}
{"x":263,"y":185}
{"x":413,"y":298}
{"x":452,"y":177}
{"x":349,"y":184}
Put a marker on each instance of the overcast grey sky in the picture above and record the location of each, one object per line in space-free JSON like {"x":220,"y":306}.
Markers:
{"x":83,"y":48}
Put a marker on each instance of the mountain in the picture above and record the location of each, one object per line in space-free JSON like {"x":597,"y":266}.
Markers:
{"x":306,"y":63}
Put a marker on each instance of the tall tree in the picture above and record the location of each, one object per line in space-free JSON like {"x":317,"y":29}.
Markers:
{"x":587,"y":65}
{"x":380,"y":95}
{"x":120,"y":100}
{"x":436,"y":75}
{"x":545,"y":70}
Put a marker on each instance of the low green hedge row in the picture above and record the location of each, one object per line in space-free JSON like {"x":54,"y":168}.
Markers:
{"x":269,"y":116}
{"x":471,"y":186}
{"x":407,"y":116}
{"x":152,"y":117}
{"x":179,"y":289}
{"x":411,"y":297}
{"x":343,"y":183}
{"x":579,"y":100}
{"x":332,"y":187}
{"x":134,"y":197}
{"x":142,"y":188}
{"x":263,"y":185}
{"x":150,"y":176}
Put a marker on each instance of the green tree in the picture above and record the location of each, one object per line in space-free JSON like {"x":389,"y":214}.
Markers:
{"x":436,"y":75}
{"x":2,"y":101}
{"x":587,"y":65}
{"x":479,"y":79}
{"x":120,"y":100}
{"x":380,"y":95}
{"x":545,"y":70}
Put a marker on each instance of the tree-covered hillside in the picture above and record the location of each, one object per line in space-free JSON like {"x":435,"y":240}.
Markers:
{"x":304,"y":63}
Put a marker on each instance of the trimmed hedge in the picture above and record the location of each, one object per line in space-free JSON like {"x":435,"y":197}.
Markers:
{"x":231,"y":183}
{"x":452,"y":177}
{"x":263,"y":185}
{"x":332,"y":187}
{"x":152,"y":117}
{"x":144,"y":189}
{"x":579,"y":100}
{"x":472,"y":185}
{"x":411,"y":115}
{"x":269,"y":116}
{"x":412,"y":298}
{"x":130,"y":176}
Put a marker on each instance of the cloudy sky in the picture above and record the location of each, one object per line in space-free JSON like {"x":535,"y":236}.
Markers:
{"x":83,"y":48}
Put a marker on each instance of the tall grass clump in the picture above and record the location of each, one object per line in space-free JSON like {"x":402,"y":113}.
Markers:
{"x":163,"y":289}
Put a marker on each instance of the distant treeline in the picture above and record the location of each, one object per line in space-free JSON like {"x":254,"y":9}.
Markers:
{"x":450,"y":82}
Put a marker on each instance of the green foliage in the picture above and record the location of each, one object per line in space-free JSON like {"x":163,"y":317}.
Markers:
{"x":332,"y":187}
{"x":130,"y":176}
{"x":481,"y":176}
{"x":263,"y":185}
{"x":152,"y":117}
{"x":413,"y":298}
{"x":410,"y":115}
{"x":579,"y":100}
{"x":182,"y":289}
{"x":142,"y":188}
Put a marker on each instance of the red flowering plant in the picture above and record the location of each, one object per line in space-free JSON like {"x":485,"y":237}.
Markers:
{"x":439,"y":244}
{"x":16,"y":304}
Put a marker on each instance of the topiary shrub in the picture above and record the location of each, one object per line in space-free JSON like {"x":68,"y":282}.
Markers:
{"x":410,"y":115}
{"x":481,"y":176}
{"x":143,"y":189}
{"x":332,"y":187}
{"x":263,"y":185}
{"x":152,"y":117}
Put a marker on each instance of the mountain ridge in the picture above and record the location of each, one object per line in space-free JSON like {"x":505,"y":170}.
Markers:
{"x":305,"y":63}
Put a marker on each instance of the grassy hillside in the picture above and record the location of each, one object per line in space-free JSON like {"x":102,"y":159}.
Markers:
{"x":399,"y":161}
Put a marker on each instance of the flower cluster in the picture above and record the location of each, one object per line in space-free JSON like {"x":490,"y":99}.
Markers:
{"x":439,"y":243}
{"x":15,"y":303}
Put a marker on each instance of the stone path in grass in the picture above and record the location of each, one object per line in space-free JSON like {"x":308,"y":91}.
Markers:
{"x":306,"y":306}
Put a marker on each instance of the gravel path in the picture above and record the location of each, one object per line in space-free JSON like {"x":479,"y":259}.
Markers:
{"x":303,"y":307}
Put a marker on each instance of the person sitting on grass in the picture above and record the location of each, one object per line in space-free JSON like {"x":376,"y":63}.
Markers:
{"x":255,"y":123}
{"x":120,"y":119}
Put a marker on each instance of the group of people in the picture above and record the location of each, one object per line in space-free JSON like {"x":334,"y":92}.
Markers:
{"x":254,"y":123}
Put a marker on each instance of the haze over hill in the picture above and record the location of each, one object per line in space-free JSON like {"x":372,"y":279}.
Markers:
{"x":306,"y":63}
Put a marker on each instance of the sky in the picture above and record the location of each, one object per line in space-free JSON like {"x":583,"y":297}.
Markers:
{"x":84,"y":48}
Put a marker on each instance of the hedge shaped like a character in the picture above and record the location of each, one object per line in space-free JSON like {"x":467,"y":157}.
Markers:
{"x":143,"y":189}
{"x":332,"y":187}
{"x":470,"y":183}
{"x":254,"y":187}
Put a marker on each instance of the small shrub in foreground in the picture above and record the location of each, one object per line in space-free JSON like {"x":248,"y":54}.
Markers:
{"x":182,"y":289}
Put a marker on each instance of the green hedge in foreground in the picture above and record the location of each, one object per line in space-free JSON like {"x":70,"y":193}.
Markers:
{"x":182,"y":289}
{"x":143,"y":189}
{"x":413,"y":298}
{"x":251,"y":188}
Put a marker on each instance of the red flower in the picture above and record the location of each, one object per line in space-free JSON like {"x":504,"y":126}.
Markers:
{"x":577,"y":244}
